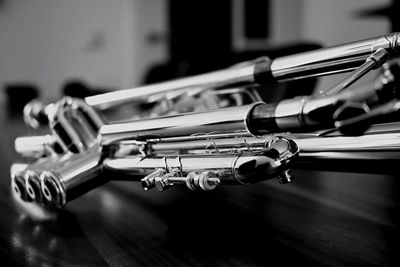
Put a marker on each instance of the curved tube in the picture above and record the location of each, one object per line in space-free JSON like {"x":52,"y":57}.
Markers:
{"x":37,"y":146}
{"x":228,"y":168}
{"x":306,"y":113}
{"x":25,"y":178}
{"x":75,"y":124}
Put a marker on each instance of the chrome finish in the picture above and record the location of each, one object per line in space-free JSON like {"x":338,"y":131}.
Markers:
{"x":376,"y":151}
{"x":19,"y":186}
{"x":379,"y":141}
{"x":206,"y":171}
{"x":148,"y":182}
{"x":288,"y":113}
{"x":381,"y":137}
{"x":17,"y":180}
{"x":167,"y":180}
{"x":71,"y":176}
{"x":206,"y":149}
{"x":337,"y":59}
{"x":33,"y":187}
{"x":37,"y":146}
{"x":75,"y":124}
{"x":25,"y":178}
{"x":379,"y":145}
{"x":206,"y":181}
{"x":374,"y":61}
{"x":215,"y":79}
{"x":73,"y":134}
{"x":215,"y":121}
{"x":35,"y":113}
{"x":297,"y":114}
{"x":332,"y":60}
{"x":17,"y":168}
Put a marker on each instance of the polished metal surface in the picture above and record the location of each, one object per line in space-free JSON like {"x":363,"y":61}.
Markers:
{"x":297,"y":114}
{"x":211,"y":80}
{"x":380,"y":138}
{"x":214,"y":121}
{"x":336,"y":59}
{"x":377,"y":59}
{"x":202,"y":150}
{"x":374,"y":141}
{"x":324,"y":218}
{"x":331,"y":60}
{"x":75,"y":124}
{"x":35,"y":146}
{"x":341,"y":58}
{"x":229,"y":168}
{"x":25,"y":178}
{"x":71,"y":176}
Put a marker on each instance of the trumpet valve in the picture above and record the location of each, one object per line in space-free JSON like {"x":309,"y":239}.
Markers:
{"x":148,"y":182}
{"x":33,"y":186}
{"x":206,"y":181}
{"x":166,"y":181}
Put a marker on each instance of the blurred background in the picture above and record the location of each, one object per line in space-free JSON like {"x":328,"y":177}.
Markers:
{"x":51,"y":48}
{"x":79,"y":47}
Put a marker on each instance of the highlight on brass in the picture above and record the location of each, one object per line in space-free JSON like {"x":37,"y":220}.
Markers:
{"x":228,"y":137}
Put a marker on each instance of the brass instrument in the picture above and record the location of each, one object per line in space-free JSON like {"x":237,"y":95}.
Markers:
{"x":241,"y":144}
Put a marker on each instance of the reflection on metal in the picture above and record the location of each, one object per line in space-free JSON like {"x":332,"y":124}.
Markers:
{"x":240,"y":144}
{"x":207,"y":171}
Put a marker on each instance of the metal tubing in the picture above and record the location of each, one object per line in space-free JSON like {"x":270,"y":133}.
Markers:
{"x":337,"y":59}
{"x":331,"y":60}
{"x":221,"y":120}
{"x":297,"y":114}
{"x":239,"y":168}
{"x":37,"y":146}
{"x":72,"y":176}
{"x":209,"y":80}
{"x":384,"y":137}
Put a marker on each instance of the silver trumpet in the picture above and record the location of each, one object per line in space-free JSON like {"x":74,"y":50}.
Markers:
{"x":243,"y":144}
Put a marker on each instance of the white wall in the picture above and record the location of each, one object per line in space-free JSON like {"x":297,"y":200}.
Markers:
{"x":335,"y":22}
{"x":101,"y":41}
{"x":106,"y":43}
{"x":149,"y":17}
{"x":331,"y":22}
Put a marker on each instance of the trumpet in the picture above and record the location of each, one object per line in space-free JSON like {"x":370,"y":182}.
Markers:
{"x":243,"y":144}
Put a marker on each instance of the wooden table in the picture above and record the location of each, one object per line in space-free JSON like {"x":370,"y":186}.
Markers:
{"x":323,"y":218}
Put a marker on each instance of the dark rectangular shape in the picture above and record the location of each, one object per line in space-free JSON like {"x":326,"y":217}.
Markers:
{"x":256,"y":19}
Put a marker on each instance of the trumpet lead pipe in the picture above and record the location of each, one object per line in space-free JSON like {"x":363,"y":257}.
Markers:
{"x":221,"y":120}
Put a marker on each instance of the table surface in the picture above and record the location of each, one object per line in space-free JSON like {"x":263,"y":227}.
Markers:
{"x":322,"y":218}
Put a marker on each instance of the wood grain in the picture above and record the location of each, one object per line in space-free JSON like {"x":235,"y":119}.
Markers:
{"x":322,"y":218}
